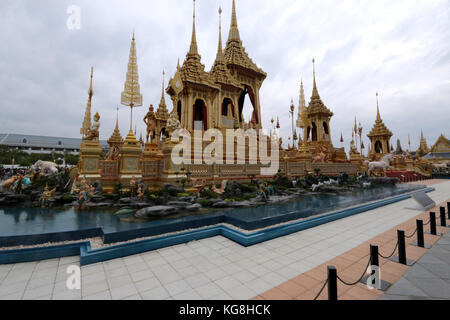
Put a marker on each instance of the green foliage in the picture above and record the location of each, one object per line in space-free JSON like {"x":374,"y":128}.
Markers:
{"x":25,"y":159}
{"x":281,"y":180}
{"x":209,"y":194}
{"x":66,"y":198}
{"x":204,"y":202}
{"x":249,"y":196}
{"x":182,"y":195}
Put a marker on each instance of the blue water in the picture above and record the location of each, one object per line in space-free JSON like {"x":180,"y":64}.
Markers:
{"x":27,"y":221}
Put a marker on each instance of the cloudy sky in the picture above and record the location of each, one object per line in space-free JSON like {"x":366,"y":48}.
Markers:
{"x":399,"y":48}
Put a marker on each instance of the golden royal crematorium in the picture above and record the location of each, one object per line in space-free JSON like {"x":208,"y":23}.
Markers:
{"x":203,"y":100}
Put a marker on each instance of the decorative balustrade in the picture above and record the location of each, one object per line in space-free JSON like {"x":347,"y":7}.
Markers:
{"x":109,"y":169}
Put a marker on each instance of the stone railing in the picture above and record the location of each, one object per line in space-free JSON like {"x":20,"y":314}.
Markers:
{"x":151,"y":168}
{"x":109,"y":169}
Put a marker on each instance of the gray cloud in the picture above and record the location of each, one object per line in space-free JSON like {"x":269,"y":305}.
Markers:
{"x":398,"y":48}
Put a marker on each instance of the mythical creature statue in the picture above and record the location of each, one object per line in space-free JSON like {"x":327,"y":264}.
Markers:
{"x":47,"y":196}
{"x":320,"y":158}
{"x":220,"y":191}
{"x":383,"y":164}
{"x":93,"y":131}
{"x":172,"y":123}
{"x":45,"y":167}
{"x":7,"y":184}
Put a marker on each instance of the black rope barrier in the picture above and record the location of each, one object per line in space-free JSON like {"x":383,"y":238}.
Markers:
{"x":357,"y":281}
{"x":323,"y":287}
{"x":392,"y":254}
{"x":414,"y":233}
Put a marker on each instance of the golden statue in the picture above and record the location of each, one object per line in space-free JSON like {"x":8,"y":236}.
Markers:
{"x":92,"y":133}
{"x":150,"y":122}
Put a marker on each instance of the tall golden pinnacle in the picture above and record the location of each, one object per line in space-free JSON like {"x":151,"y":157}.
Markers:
{"x":131,"y":95}
{"x":193,"y":49}
{"x":315,"y":91}
{"x":219,"y":55}
{"x":87,"y":114}
{"x":378,"y":110}
{"x":234,"y":31}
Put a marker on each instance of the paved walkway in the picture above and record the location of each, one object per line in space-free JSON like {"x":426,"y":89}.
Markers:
{"x":214,"y":268}
{"x":429,"y":278}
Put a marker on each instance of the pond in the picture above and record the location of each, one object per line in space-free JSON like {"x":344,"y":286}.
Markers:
{"x":18,"y":221}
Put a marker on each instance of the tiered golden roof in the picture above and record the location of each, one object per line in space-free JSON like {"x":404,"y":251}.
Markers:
{"x":192,"y":69}
{"x":423,"y":147}
{"x":116,"y":137}
{"x":235,"y":54}
{"x":379,"y":129}
{"x":131,"y":95}
{"x":219,"y":71}
{"x":316,"y":106}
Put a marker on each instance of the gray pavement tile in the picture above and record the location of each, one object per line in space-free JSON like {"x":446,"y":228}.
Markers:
{"x":405,"y":288}
{"x":437,"y":288}
{"x":440,"y":270}
{"x":418,"y":271}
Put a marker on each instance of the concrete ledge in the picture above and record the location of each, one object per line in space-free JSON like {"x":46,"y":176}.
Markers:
{"x":89,"y":256}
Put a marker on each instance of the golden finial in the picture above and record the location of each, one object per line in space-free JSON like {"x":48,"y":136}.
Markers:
{"x":193,"y":50}
{"x":234,"y":31}
{"x":378,"y":110}
{"x":315,"y":92}
{"x":117,"y":118}
{"x":91,"y":92}
{"x":219,"y":48}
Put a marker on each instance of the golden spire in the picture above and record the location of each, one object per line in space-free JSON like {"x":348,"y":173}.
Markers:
{"x":163,"y":100}
{"x":315,"y":91}
{"x":219,"y":71}
{"x":378,"y":110}
{"x":234,"y":31}
{"x":234,"y":53}
{"x":131,"y":95}
{"x":316,"y":106}
{"x":116,"y":137}
{"x":87,"y":114}
{"x":379,"y":128}
{"x":219,"y":55}
{"x":162,"y":112}
{"x":193,"y":50}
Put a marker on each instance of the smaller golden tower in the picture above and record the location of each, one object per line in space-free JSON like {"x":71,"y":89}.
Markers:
{"x":90,"y":149}
{"x":131,"y":150}
{"x":379,"y":136}
{"x":423,"y":147}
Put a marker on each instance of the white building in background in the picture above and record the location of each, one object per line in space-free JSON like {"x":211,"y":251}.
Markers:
{"x":42,"y":144}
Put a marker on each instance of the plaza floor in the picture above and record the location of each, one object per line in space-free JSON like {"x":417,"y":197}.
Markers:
{"x":290,"y":267}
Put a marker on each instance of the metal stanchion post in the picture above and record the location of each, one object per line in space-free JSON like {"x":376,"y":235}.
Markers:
{"x":378,"y":283}
{"x":420,"y":237}
{"x":442,"y":214}
{"x":401,"y":247}
{"x":401,"y":258}
{"x":433,"y":223}
{"x":332,"y":283}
